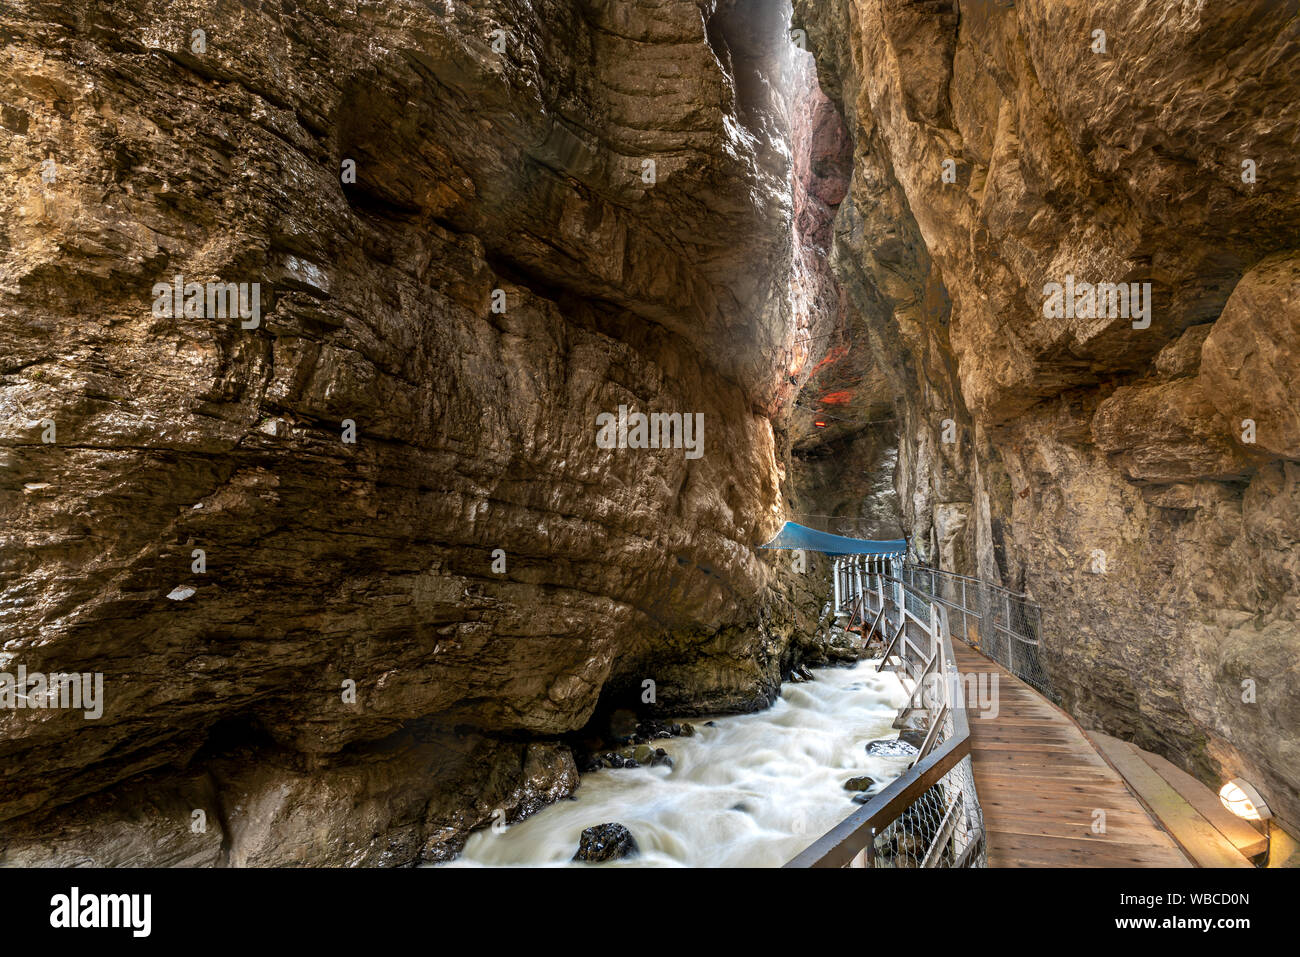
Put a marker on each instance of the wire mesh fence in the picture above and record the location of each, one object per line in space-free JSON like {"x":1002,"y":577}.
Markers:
{"x":1003,"y":625}
{"x":941,"y":828}
{"x":944,"y":826}
{"x":913,"y":611}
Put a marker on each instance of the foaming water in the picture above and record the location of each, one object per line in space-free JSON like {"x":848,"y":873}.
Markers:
{"x":752,"y":791}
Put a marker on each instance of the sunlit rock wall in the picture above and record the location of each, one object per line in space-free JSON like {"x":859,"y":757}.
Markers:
{"x":1138,"y":475}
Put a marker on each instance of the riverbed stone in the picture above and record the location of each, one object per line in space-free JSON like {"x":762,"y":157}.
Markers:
{"x":605,"y":842}
{"x":890,"y":748}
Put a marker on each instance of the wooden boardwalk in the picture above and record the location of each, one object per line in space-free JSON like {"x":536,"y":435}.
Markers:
{"x":1041,"y":783}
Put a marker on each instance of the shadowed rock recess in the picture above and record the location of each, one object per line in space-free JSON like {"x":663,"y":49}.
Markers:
{"x":354,"y":567}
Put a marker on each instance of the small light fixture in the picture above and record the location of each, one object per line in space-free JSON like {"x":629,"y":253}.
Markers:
{"x":1244,"y":801}
{"x":820,"y":424}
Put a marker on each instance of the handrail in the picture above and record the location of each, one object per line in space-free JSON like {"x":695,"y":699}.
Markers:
{"x":889,"y":649}
{"x":1005,"y":626}
{"x":975,"y":581}
{"x":937,"y":759}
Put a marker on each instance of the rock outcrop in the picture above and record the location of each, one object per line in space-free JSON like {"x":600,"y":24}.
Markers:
{"x":1136,"y":472}
{"x":605,"y":842}
{"x":351,"y":560}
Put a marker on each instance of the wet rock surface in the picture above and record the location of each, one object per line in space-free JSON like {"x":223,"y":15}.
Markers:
{"x":891,"y":747}
{"x":1036,"y":448}
{"x":605,"y":842}
{"x":635,"y":738}
{"x":467,"y":248}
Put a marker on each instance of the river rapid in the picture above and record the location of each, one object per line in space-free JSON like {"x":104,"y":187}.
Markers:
{"x":748,"y":791}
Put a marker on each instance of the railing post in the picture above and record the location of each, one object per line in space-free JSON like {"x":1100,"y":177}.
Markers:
{"x":965,"y":625}
{"x":898,"y":587}
{"x":1011,"y":665}
{"x":936,"y":645}
{"x":835,"y":575}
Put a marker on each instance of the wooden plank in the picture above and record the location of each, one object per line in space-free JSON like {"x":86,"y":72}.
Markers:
{"x":1039,"y":779}
{"x":1240,"y":834}
{"x":1018,"y":850}
{"x":1042,"y":810}
{"x":1012,"y":721}
{"x":1057,"y":747}
{"x":1077,"y":824}
{"x":1035,"y":759}
{"x":996,"y":730}
{"x":1052,"y":789}
{"x":1197,"y":836}
{"x":1010,"y":777}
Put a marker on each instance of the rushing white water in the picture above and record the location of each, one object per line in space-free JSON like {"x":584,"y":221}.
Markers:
{"x":751,"y":791}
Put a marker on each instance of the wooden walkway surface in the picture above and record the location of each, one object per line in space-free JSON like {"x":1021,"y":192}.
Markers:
{"x":1041,"y":783}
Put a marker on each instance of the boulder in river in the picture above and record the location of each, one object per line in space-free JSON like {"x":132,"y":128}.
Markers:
{"x":885,"y":748}
{"x":913,"y":736}
{"x":605,"y":842}
{"x":860,"y":783}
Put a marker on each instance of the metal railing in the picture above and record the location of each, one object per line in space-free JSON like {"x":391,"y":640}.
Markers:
{"x":1001,"y":624}
{"x":930,"y":815}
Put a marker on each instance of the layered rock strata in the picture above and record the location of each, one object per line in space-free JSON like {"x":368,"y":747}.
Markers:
{"x":350,"y":559}
{"x":1135,"y":470}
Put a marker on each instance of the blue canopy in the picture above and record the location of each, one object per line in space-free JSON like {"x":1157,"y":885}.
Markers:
{"x":793,"y":535}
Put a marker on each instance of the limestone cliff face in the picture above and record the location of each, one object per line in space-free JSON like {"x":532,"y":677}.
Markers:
{"x":1142,"y":481}
{"x":474,"y":228}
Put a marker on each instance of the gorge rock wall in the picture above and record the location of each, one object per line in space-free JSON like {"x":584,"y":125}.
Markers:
{"x":555,"y":209}
{"x":1104,"y":465}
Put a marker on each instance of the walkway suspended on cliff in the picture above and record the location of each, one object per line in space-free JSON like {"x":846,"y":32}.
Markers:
{"x":794,"y":535}
{"x":1003,"y":777}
